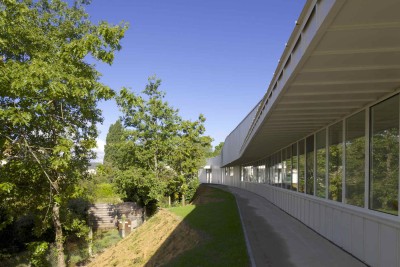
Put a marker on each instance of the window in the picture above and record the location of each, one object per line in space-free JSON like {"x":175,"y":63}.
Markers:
{"x":335,"y":165}
{"x":384,"y":157}
{"x":321,"y":163}
{"x":302,"y":166}
{"x":310,"y":165}
{"x":261,"y":173}
{"x":278,"y":169}
{"x":284,"y":162}
{"x":230,"y":171}
{"x":226,"y":171}
{"x":294,"y":167}
{"x":288,"y":168}
{"x":355,"y":159}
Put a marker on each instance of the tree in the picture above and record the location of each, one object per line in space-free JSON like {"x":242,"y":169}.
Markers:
{"x":217,"y":150}
{"x":150,"y":123}
{"x":48,"y":114}
{"x":160,"y":146}
{"x":113,"y":139}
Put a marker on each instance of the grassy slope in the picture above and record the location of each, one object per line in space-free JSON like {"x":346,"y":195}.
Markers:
{"x":219,"y":220}
{"x":208,"y":233}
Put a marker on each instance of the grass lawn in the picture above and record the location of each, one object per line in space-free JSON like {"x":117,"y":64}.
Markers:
{"x":215,"y":215}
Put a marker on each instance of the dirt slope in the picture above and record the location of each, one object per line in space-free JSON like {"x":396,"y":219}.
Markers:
{"x":155,"y":243}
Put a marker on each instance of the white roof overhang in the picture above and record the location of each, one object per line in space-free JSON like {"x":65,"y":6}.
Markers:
{"x":342,"y":56}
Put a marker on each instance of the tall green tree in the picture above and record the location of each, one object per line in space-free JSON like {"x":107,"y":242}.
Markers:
{"x":48,"y":106}
{"x":164,"y":149}
{"x":113,"y":141}
{"x":217,"y":149}
{"x":151,"y":123}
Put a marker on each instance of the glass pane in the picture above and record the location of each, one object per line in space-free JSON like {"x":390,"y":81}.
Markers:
{"x":284,"y":159}
{"x":294,"y":167}
{"x":321,"y":161}
{"x":278,"y":169}
{"x":310,"y":165}
{"x":288,"y":168}
{"x":355,"y":159}
{"x":384,"y":164}
{"x":271,"y":170}
{"x":302,"y":166}
{"x":261,"y":170}
{"x":335,"y":167}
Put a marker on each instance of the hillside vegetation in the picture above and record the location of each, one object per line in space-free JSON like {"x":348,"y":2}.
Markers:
{"x":206,"y":233}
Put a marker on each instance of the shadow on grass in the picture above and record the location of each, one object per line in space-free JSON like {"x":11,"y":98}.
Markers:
{"x":268,"y":247}
{"x":219,"y":240}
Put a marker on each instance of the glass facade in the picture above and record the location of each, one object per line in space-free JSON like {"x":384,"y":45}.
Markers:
{"x":355,"y":159}
{"x":302,"y":166}
{"x":321,"y":163}
{"x":287,"y":183}
{"x":331,"y":163}
{"x":335,"y":161}
{"x":310,"y":165}
{"x":384,"y":157}
{"x":294,"y":168}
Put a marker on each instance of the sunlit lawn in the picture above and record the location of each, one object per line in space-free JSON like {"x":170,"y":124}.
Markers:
{"x":219,"y":221}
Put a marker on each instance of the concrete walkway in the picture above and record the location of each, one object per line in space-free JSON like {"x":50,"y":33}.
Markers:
{"x":277,"y":239}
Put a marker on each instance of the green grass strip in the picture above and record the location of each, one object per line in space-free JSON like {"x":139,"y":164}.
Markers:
{"x":219,"y":221}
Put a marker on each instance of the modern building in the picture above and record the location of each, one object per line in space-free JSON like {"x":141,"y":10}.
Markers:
{"x":323,"y":143}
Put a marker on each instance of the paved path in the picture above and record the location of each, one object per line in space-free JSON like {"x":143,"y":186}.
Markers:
{"x":277,"y":239}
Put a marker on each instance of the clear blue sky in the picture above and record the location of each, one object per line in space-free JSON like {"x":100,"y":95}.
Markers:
{"x":213,"y":57}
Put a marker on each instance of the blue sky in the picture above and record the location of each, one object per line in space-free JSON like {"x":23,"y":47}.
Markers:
{"x":213,"y":57}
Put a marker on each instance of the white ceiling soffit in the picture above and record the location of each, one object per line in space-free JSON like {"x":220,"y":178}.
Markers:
{"x":351,"y":60}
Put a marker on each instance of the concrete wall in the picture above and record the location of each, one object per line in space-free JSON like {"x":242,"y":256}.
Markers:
{"x":216,"y":171}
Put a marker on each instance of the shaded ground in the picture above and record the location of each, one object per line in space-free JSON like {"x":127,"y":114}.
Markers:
{"x":205,"y":195}
{"x":206,"y":233}
{"x":139,"y":248}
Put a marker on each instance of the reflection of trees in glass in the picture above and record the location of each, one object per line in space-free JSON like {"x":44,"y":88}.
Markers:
{"x":355,"y":159}
{"x":278,"y":170}
{"x":294,"y":167}
{"x":384,"y":171}
{"x":310,"y":165}
{"x":302,"y":166}
{"x":321,"y":160}
{"x":288,"y":168}
{"x":335,"y":167}
{"x":283,"y":164}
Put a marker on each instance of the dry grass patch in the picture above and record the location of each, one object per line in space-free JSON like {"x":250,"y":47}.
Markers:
{"x":155,"y":243}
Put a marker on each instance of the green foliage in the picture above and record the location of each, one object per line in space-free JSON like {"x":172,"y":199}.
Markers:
{"x":158,"y":153}
{"x":38,"y":251}
{"x":48,"y":113}
{"x":113,"y":140}
{"x":105,"y":239}
{"x":217,"y":150}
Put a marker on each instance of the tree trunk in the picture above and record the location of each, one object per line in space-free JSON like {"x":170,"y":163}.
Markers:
{"x":59,"y":235}
{"x":183,"y":199}
{"x":169,"y":201}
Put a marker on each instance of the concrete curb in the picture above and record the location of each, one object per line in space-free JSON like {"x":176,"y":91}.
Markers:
{"x":246,"y":238}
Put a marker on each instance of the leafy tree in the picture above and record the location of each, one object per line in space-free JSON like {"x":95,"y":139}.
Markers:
{"x":151,"y":123}
{"x":113,"y":139}
{"x":217,"y":150}
{"x":48,"y":114}
{"x":160,"y":147}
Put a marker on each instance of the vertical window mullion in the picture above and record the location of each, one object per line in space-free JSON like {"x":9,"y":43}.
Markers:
{"x":367,"y":157}
{"x":344,"y":161}
{"x":315,"y":165}
{"x":326,"y":162}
